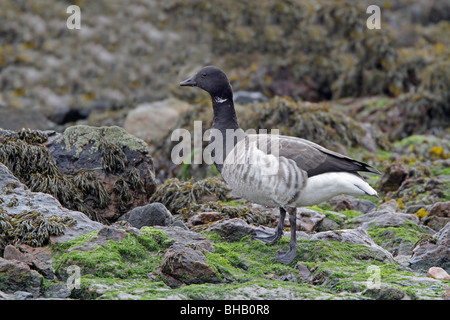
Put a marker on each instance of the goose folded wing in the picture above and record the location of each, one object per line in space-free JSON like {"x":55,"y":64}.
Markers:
{"x":315,"y":159}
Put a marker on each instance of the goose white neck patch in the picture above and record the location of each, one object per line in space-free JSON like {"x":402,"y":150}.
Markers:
{"x":219,"y":100}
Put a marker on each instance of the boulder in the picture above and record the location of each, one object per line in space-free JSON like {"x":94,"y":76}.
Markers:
{"x":154,"y":214}
{"x":111,"y":165}
{"x":187,"y":238}
{"x":188,"y":265}
{"x":386,"y":215}
{"x":308,"y":220}
{"x":39,"y":259}
{"x":434,"y":252}
{"x":343,"y":202}
{"x":438,"y":273}
{"x":203,"y":218}
{"x":354,"y":236}
{"x":16,"y":199}
{"x":153,"y":121}
{"x":232,"y":229}
{"x":393,"y":177}
{"x":17,"y":276}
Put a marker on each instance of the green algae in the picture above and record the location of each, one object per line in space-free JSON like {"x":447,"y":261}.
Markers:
{"x":134,"y":256}
{"x":129,"y":269}
{"x":77,"y":137}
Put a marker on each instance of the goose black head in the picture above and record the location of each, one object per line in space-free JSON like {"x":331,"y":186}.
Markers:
{"x":212,"y":80}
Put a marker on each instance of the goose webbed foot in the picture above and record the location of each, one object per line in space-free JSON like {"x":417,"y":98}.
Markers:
{"x":272,"y":238}
{"x":268,"y":239}
{"x":287,"y":257}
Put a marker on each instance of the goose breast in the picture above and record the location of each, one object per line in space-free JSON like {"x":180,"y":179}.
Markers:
{"x":255,"y":171}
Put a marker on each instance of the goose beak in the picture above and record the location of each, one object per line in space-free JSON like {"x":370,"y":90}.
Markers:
{"x":189,"y":82}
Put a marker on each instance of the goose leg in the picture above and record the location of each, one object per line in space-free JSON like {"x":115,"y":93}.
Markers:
{"x":287,"y":257}
{"x":268,"y":239}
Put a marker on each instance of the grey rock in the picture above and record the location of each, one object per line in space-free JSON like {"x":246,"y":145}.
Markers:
{"x":246,"y":97}
{"x":343,"y":202}
{"x":58,"y":290}
{"x":308,"y":220}
{"x":354,"y":236}
{"x":153,"y":121}
{"x":188,"y":265}
{"x":304,"y":272}
{"x":11,"y":188}
{"x":23,"y":295}
{"x":119,"y":161}
{"x":154,"y":214}
{"x":386,"y":215}
{"x":386,"y":293}
{"x":433,"y":253}
{"x":187,"y":238}
{"x":393,"y":177}
{"x":39,"y":259}
{"x":105,"y":234}
{"x":17,"y":276}
{"x":232,"y":229}
{"x":388,"y":220}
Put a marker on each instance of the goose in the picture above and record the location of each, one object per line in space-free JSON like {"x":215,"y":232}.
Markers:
{"x":275,"y":170}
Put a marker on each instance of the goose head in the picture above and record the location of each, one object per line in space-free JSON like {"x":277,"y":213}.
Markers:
{"x":212,"y":80}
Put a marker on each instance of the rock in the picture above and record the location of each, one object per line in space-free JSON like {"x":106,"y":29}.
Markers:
{"x":40,"y":259}
{"x":388,"y":220}
{"x":386,"y":293}
{"x":393,"y":177}
{"x":304,"y":272}
{"x":17,"y":276}
{"x":386,"y":215}
{"x":438,"y":273}
{"x":113,"y":165}
{"x":11,"y":189}
{"x":58,"y":290}
{"x":354,"y":236}
{"x":343,"y":202}
{"x":104,"y":234}
{"x":187,"y":238}
{"x":246,"y":97}
{"x":153,"y":121}
{"x":440,"y":209}
{"x":232,"y":229}
{"x":203,"y":218}
{"x":23,"y":295}
{"x":188,"y":265}
{"x":433,"y":253}
{"x":154,"y":214}
{"x":308,"y":220}
{"x":14,"y":119}
{"x":435,"y":223}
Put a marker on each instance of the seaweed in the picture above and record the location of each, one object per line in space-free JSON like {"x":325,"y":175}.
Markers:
{"x":33,"y":164}
{"x":114,"y":160}
{"x":31,"y":228}
{"x":124,"y":195}
{"x":178,"y":195}
{"x":188,"y":198}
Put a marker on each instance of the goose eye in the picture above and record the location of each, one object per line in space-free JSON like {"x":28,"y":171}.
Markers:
{"x":203,"y":75}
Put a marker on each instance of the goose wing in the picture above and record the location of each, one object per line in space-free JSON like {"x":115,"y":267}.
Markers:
{"x":315,"y":159}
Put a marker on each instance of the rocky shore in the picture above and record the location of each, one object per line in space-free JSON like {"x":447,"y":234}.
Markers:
{"x":92,"y":207}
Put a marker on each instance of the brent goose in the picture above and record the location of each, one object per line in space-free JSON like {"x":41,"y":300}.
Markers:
{"x":306,"y":173}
